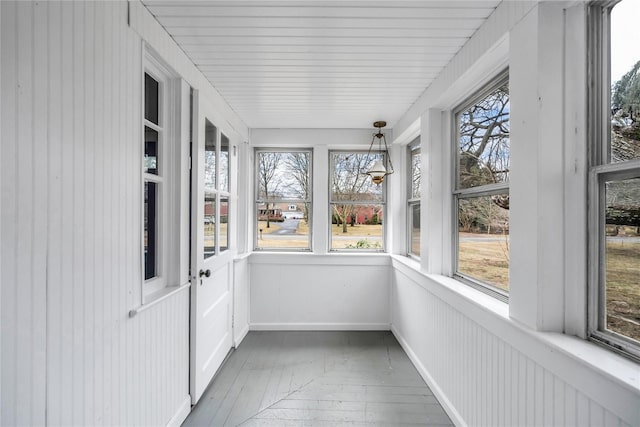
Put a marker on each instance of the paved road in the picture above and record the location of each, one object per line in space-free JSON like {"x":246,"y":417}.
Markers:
{"x":632,"y":239}
{"x":488,"y":238}
{"x":288,"y":226}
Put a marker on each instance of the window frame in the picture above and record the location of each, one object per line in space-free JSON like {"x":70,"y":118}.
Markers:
{"x":414,"y":147}
{"x":289,"y":201}
{"x":602,"y":170}
{"x":473,"y":192}
{"x":219,"y":194}
{"x":331,"y":202}
{"x":167,"y":179}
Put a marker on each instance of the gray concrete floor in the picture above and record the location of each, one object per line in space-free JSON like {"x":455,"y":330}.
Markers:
{"x":300,"y":378}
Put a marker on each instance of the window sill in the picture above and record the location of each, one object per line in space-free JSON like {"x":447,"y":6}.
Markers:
{"x":447,"y":288}
{"x":493,"y":315}
{"x":157,"y":297}
{"x":360,"y":259}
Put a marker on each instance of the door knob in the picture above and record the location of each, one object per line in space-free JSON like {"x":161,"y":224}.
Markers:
{"x":205,"y":273}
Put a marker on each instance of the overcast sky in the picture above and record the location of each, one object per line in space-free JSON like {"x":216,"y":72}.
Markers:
{"x":625,"y":37}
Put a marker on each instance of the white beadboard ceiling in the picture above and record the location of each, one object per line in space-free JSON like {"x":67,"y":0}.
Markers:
{"x":320,"y":64}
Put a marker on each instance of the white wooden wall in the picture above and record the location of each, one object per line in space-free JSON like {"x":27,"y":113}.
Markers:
{"x":319,"y":292}
{"x":71,"y":220}
{"x":491,"y":363}
{"x":240,"y":299}
{"x":489,"y":371}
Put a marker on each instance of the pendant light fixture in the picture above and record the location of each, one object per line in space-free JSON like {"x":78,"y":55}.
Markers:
{"x":381,"y":167}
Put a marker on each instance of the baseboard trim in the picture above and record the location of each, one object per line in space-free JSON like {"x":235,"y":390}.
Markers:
{"x":182,"y":413}
{"x":320,"y":327}
{"x":238,"y":339}
{"x":453,"y":413}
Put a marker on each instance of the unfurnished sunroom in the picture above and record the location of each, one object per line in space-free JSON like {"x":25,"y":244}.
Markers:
{"x":179,"y":176}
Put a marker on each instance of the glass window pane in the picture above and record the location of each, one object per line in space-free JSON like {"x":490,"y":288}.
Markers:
{"x":356,"y":226}
{"x":150,"y":229}
{"x":279,"y":227}
{"x":151,"y":96}
{"x":414,"y":218}
{"x":483,"y":239}
{"x":483,"y":140}
{"x":416,"y":163}
{"x":224,"y":163}
{"x":209,"y":224}
{"x":349,"y":181}
{"x":284,"y":175}
{"x":224,"y":224}
{"x":625,"y":82}
{"x":622,"y":254}
{"x":283,"y":191}
{"x":150,"y":151}
{"x":210,"y":143}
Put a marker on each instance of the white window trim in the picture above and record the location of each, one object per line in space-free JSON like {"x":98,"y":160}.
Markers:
{"x":169,"y":154}
{"x":479,"y":191}
{"x":257,"y":200}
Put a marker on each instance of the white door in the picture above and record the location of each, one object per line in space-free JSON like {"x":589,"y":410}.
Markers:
{"x":211,"y":256}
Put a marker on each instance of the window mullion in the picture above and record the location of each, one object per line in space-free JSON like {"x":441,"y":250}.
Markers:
{"x":153,"y":126}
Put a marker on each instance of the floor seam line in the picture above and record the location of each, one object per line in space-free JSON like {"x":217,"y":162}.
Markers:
{"x":279,"y":400}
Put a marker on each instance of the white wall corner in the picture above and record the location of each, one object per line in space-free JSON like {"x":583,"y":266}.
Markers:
{"x":442,"y":397}
{"x":411,"y":132}
{"x":181,"y":414}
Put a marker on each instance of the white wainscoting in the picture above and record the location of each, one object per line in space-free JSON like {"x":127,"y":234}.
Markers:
{"x":319,"y":292}
{"x":488,"y":370}
{"x":240,"y":299}
{"x":71,"y":250}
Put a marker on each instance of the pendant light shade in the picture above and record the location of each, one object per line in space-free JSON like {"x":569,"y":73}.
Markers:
{"x":381,"y":167}
{"x":377,"y":172}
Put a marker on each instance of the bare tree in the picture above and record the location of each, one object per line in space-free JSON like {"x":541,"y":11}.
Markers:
{"x":484,"y":140}
{"x":297,"y":165}
{"x":416,"y":175}
{"x":269,"y":181}
{"x":349,"y":183}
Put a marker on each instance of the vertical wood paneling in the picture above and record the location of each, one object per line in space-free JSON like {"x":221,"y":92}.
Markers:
{"x":60,"y":315}
{"x":1,"y":135}
{"x":54,"y":225}
{"x":71,"y":221}
{"x":486,"y":379}
{"x":9,"y":230}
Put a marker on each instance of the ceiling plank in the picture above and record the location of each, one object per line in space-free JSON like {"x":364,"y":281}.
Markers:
{"x":307,"y":63}
{"x":429,"y":10}
{"x":321,"y":41}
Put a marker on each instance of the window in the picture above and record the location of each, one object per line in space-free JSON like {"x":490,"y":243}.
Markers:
{"x":154,"y":175}
{"x":615,"y":178}
{"x":357,"y":205}
{"x":216,"y":191}
{"x":160,"y":149}
{"x":414,"y":181}
{"x":283,"y":199}
{"x":481,"y":195}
